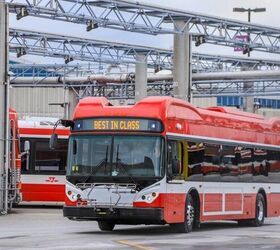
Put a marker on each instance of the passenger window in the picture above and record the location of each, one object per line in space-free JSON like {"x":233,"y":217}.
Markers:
{"x":261,"y":165}
{"x":195,"y":160}
{"x":245,"y":163}
{"x":229,"y":163}
{"x":212,"y":162}
{"x":273,"y":158}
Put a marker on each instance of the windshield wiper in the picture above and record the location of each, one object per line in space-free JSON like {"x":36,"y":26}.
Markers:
{"x":120,"y":163}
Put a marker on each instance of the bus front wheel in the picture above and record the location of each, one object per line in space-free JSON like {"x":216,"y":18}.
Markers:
{"x":106,"y":226}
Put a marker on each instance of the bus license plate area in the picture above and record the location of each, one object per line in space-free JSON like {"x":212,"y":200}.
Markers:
{"x":109,"y":196}
{"x":104,"y":211}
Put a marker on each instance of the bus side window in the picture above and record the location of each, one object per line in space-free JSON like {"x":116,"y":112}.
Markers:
{"x":47,"y":161}
{"x":196,"y":154}
{"x":261,"y":164}
{"x":273,"y":166}
{"x":175,"y":157}
{"x":212,"y":162}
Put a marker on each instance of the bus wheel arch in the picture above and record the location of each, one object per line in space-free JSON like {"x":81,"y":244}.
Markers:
{"x":192,"y":213}
{"x":259,"y":219}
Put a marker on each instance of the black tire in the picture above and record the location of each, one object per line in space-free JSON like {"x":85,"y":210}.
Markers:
{"x":188,"y":225}
{"x":260,"y":211}
{"x":106,"y":226}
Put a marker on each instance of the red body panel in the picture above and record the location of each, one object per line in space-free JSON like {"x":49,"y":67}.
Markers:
{"x":233,"y":202}
{"x":43,"y":192}
{"x":212,"y":202}
{"x":43,"y":131}
{"x":273,"y":205}
{"x":14,"y":126}
{"x":173,"y":205}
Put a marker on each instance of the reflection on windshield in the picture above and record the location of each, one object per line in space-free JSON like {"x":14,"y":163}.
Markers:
{"x":123,"y":156}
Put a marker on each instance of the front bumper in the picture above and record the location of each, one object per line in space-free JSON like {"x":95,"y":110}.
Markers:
{"x":116,"y":215}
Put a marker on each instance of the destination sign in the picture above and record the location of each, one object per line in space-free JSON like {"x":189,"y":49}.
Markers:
{"x":119,"y":124}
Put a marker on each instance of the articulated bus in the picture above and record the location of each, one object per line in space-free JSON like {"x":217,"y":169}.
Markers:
{"x":164,"y":161}
{"x":43,"y":169}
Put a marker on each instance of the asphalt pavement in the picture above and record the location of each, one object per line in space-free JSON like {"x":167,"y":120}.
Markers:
{"x":46,"y":228}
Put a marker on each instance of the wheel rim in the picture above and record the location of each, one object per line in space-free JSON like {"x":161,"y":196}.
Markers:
{"x":260,"y":210}
{"x":190,"y":214}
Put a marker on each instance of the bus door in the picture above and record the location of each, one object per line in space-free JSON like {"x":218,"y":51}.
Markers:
{"x":176,"y":193}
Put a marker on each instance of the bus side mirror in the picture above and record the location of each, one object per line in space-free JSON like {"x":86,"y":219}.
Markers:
{"x":53,"y":141}
{"x":176,"y":168}
{"x":26,"y":146}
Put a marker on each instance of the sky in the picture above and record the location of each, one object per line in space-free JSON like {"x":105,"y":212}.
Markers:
{"x":221,"y":8}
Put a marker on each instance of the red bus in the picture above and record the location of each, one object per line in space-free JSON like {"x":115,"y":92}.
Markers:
{"x":164,"y":161}
{"x":14,"y":181}
{"x":43,"y":170}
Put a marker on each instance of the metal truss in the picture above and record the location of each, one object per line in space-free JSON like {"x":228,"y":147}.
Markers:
{"x":262,"y":87}
{"x":212,"y":64}
{"x":70,"y":48}
{"x":235,"y":88}
{"x":52,"y":70}
{"x":218,"y":63}
{"x":74,"y":48}
{"x":151,"y":19}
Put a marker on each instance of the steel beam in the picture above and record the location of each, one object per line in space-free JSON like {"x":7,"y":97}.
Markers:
{"x":150,"y":19}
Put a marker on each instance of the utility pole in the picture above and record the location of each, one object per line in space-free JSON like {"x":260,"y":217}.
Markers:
{"x":248,"y":102}
{"x":3,"y":107}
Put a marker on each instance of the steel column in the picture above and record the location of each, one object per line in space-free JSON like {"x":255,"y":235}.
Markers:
{"x":181,"y":61}
{"x":3,"y":107}
{"x":141,"y":77}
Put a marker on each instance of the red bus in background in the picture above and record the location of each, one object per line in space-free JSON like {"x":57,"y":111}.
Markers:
{"x":164,"y":161}
{"x":14,"y":179}
{"x":43,"y":169}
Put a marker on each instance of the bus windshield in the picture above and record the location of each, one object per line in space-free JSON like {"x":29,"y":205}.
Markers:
{"x":115,"y":156}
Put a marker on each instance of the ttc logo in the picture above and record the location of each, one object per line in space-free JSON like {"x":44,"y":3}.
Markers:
{"x":51,"y":179}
